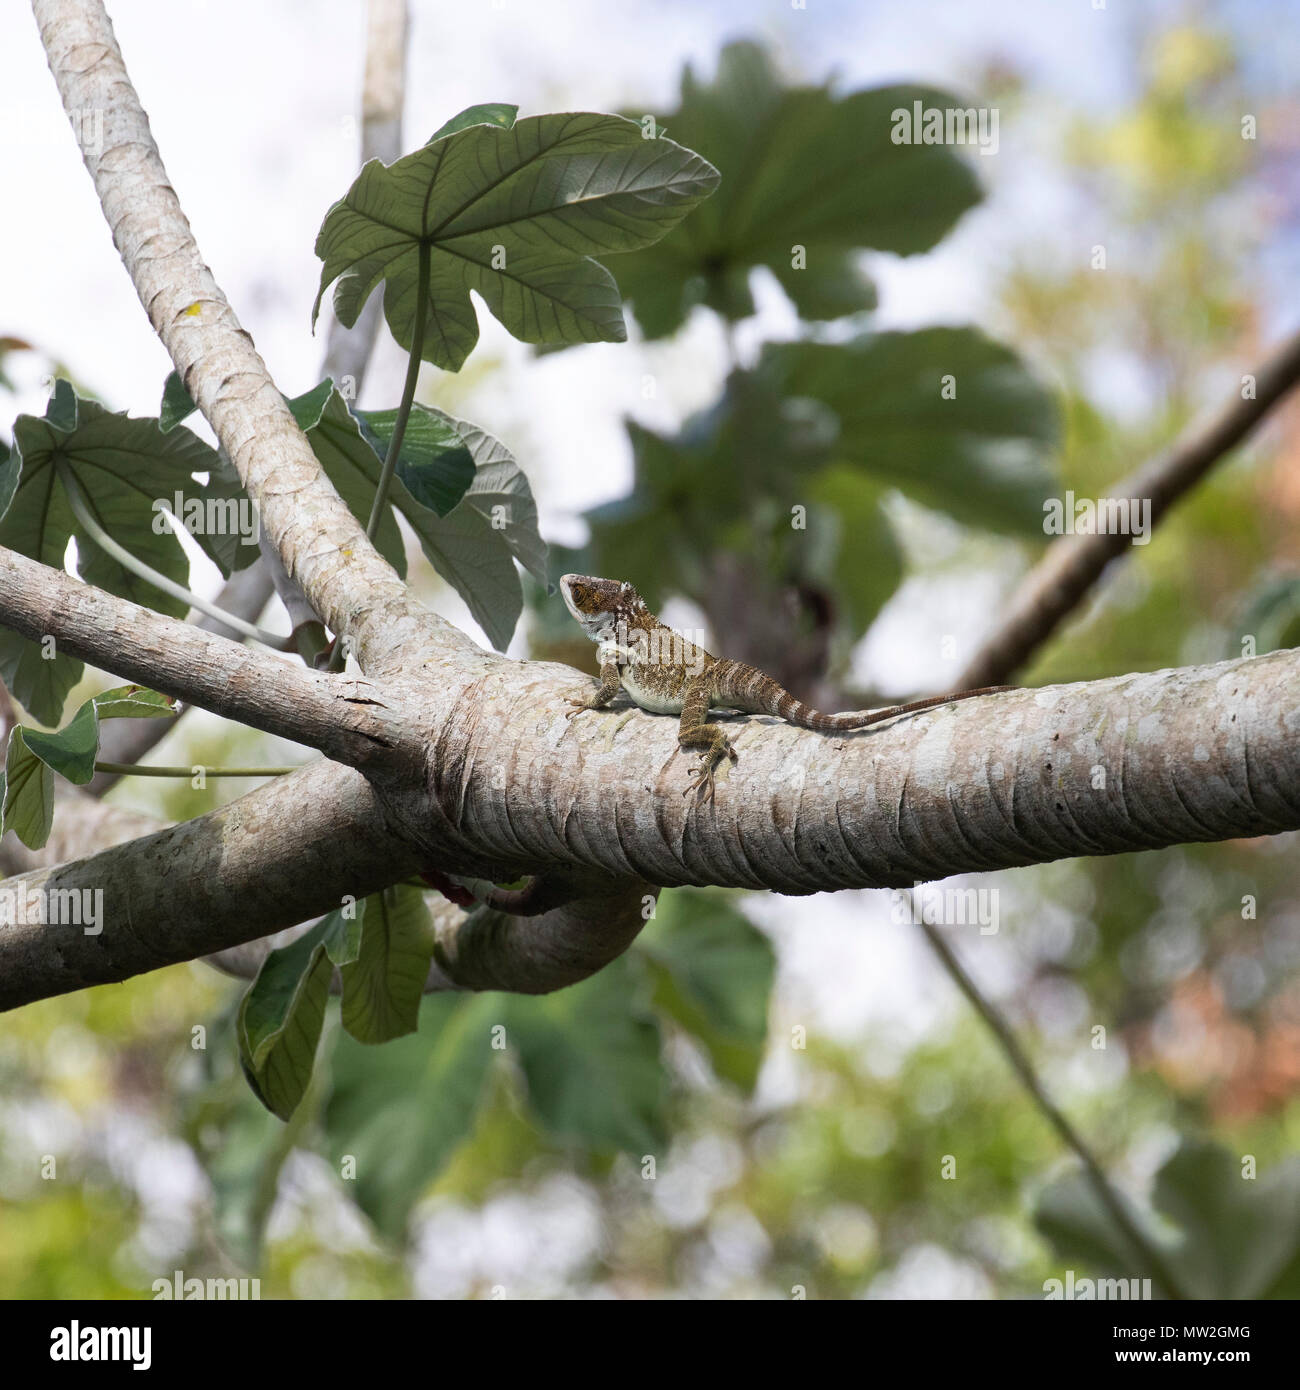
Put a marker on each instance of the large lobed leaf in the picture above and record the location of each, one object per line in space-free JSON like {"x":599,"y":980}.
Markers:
{"x":515,"y":213}
{"x":123,"y":467}
{"x":803,"y":168}
{"x":978,"y":453}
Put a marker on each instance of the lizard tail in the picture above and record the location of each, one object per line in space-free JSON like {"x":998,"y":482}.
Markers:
{"x":746,"y":688}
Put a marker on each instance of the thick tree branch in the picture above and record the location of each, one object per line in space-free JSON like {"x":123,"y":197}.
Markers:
{"x":290,"y":850}
{"x":344,"y":718}
{"x":514,"y":788}
{"x":1107,"y":767}
{"x":1061,"y":580}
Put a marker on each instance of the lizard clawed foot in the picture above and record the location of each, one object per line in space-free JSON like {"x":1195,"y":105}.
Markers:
{"x":578,"y":707}
{"x":702,"y":783}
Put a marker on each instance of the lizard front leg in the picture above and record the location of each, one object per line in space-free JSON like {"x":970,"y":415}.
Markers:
{"x":694,"y":731}
{"x":610,"y":685}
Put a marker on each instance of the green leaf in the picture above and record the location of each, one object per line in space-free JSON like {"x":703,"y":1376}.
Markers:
{"x":26,"y":792}
{"x":40,"y":683}
{"x":1234,"y":1236}
{"x":713,"y":972}
{"x":177,"y":403}
{"x":383,"y":986}
{"x":400,"y":1113}
{"x":71,"y":751}
{"x":850,"y":546}
{"x":685,"y":504}
{"x":350,"y":462}
{"x":496,"y":113}
{"x":590,"y":1056}
{"x":982,"y":456}
{"x":434,"y":462}
{"x":1241,"y":1236}
{"x":1071,"y":1216}
{"x":122,"y":466}
{"x":515,"y":214}
{"x":802,"y":168}
{"x":1270,"y":614}
{"x":475,"y":545}
{"x":280,"y":1016}
{"x":133,"y":702}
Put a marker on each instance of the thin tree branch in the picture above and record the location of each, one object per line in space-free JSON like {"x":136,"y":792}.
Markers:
{"x":382,"y":97}
{"x":245,"y":593}
{"x":1073,"y":564}
{"x":1070,"y":1136}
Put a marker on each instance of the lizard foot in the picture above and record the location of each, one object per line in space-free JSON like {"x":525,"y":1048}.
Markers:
{"x":703,"y":783}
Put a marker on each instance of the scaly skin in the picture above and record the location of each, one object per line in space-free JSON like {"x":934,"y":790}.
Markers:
{"x":664,"y":673}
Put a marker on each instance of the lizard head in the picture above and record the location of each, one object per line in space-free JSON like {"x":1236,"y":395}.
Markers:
{"x":600,"y":605}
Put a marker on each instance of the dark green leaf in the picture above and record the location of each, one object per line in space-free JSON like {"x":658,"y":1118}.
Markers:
{"x":982,"y":456}
{"x":177,"y":403}
{"x":401,"y":1111}
{"x":40,"y":683}
{"x":434,"y":463}
{"x":849,"y":547}
{"x":515,"y":214}
{"x":1270,"y":614}
{"x":1241,"y":1235}
{"x":590,"y":1055}
{"x":281,"y":1015}
{"x":123,"y":467}
{"x":1236,"y":1237}
{"x":475,"y":545}
{"x":802,"y":168}
{"x":71,"y":751}
{"x":383,"y":986}
{"x":350,"y":462}
{"x":713,"y":976}
{"x":26,"y":792}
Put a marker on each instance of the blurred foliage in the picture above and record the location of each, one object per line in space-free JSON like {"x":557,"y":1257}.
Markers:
{"x":764,"y":500}
{"x":777,"y":1166}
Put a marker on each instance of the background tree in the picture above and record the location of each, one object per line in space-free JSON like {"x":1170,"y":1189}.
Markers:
{"x":790,"y":1199}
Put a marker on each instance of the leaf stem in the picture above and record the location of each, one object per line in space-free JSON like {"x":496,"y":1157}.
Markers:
{"x":85,"y":518}
{"x":337,"y":658}
{"x":408,"y":392}
{"x":144,"y":770}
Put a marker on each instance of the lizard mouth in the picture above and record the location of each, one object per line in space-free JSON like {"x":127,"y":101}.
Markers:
{"x":566,"y":593}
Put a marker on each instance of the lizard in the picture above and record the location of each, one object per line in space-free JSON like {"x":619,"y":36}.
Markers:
{"x":666,"y":673}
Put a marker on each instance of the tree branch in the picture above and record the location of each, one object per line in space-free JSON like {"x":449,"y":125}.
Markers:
{"x":345,"y":719}
{"x":245,"y":593}
{"x":383,"y":95}
{"x":1060,"y":581}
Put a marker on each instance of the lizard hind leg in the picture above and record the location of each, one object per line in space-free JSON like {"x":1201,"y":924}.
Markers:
{"x":695,"y":732}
